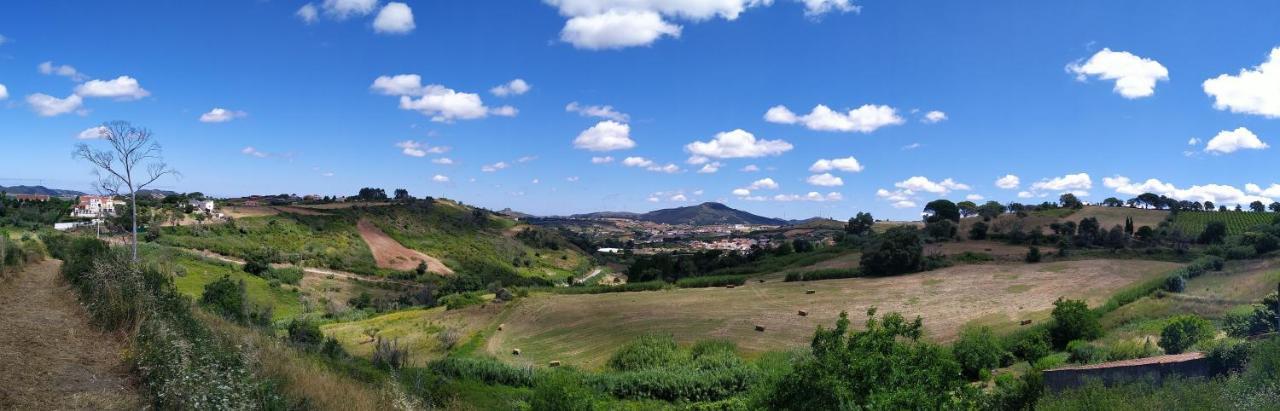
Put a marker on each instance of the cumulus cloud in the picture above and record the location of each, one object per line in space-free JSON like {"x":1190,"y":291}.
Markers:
{"x":847,"y":164}
{"x":824,"y":180}
{"x":221,"y":115}
{"x":48,"y":68}
{"x":343,"y":9}
{"x":253,"y":152}
{"x":440,"y":178}
{"x":412,"y":148}
{"x":308,"y":13}
{"x":710,"y":168}
{"x":443,"y":161}
{"x":398,"y":85}
{"x":1135,"y":76}
{"x":750,"y":168}
{"x":605,"y":112}
{"x":440,"y":103}
{"x":4,"y":92}
{"x":1227,"y":142}
{"x":737,"y":144}
{"x":512,"y":88}
{"x":934,"y":117}
{"x":1008,"y":182}
{"x":616,"y":29}
{"x":974,"y":197}
{"x":1255,"y":91}
{"x":120,"y":88}
{"x":865,"y":119}
{"x":91,"y":133}
{"x":816,"y":8}
{"x":489,"y":168}
{"x":1077,"y":184}
{"x":741,"y":192}
{"x":613,"y":24}
{"x":921,"y":183}
{"x":1217,"y":193}
{"x":811,"y":196}
{"x":606,"y":135}
{"x":647,"y":164}
{"x":394,"y":18}
{"x":49,"y":106}
{"x":763,"y":184}
{"x":601,"y":160}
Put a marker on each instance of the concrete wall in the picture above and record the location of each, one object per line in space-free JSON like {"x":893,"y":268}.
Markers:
{"x":1063,"y":379}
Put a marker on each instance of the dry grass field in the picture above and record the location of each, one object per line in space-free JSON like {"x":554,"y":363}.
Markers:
{"x":417,"y":330}
{"x":1112,"y":216}
{"x":583,"y":330}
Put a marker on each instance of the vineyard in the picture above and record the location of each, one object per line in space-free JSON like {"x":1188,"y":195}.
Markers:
{"x":1193,"y":222}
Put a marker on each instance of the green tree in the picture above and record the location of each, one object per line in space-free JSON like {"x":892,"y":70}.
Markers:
{"x":226,"y":297}
{"x":898,"y":251}
{"x":884,"y":366}
{"x":860,"y":224}
{"x":990,"y":210}
{"x":1257,"y":207}
{"x":978,"y":231}
{"x":1033,"y":255}
{"x":967,"y":208}
{"x":942,"y":209}
{"x":1183,"y":332}
{"x":977,"y":349}
{"x":1068,"y":200}
{"x":1274,"y":207}
{"x":1073,"y":320}
{"x":1213,"y":233}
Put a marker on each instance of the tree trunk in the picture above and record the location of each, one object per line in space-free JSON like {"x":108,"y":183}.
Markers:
{"x":133,"y":208}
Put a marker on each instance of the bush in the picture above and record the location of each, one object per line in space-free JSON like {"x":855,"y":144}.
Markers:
{"x":1072,"y":320}
{"x":257,"y":263}
{"x":898,"y":251}
{"x":226,"y":297}
{"x":647,"y":351}
{"x":461,"y":300}
{"x":1130,"y":349}
{"x":1033,"y":255}
{"x":388,"y":355}
{"x":305,"y":333}
{"x":1032,"y":346}
{"x":977,"y":350}
{"x":1082,"y":352}
{"x":1175,"y":284}
{"x":711,"y":281}
{"x":1183,"y":332}
{"x":562,"y":390}
{"x":970,"y":257}
{"x":1228,"y":356}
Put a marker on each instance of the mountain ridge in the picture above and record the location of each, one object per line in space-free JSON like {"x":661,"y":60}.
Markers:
{"x":708,"y":213}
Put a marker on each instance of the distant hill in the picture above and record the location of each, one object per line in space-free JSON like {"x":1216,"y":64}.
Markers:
{"x":39,"y":190}
{"x":701,"y":214}
{"x":818,"y":223}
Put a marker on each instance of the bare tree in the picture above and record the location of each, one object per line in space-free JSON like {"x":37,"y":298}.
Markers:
{"x":131,"y":164}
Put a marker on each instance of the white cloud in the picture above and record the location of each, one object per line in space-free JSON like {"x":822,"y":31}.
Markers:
{"x":1077,"y":184}
{"x":1008,"y":182}
{"x":308,"y":13}
{"x":49,"y":106}
{"x":3,"y":39}
{"x":750,"y":168}
{"x":1217,"y":193}
{"x":443,"y":161}
{"x":1227,"y":142}
{"x":711,"y":167}
{"x":1194,"y":141}
{"x":815,"y":8}
{"x":605,"y":112}
{"x":504,"y":111}
{"x":934,"y":117}
{"x":250,"y":151}
{"x":221,"y":115}
{"x":526,"y":159}
{"x":920,"y":183}
{"x":865,"y":119}
{"x":606,"y":135}
{"x":811,"y":196}
{"x":489,"y":168}
{"x":679,"y":197}
{"x":904,"y":204}
{"x":535,"y":181}
{"x":741,"y":192}
{"x":601,"y":160}
{"x":763,"y":184}
{"x":571,"y":179}
{"x":394,"y":18}
{"x":444,"y":105}
{"x":825,"y":180}
{"x":1028,"y":194}
{"x":440,"y":178}
{"x":91,"y":133}
{"x":4,"y":92}
{"x":650,"y":165}
{"x":342,"y":9}
{"x":412,"y":148}
{"x":637,"y":162}
{"x":737,"y":144}
{"x":1135,"y":76}
{"x":48,"y":68}
{"x":974,"y":197}
{"x":616,"y":29}
{"x":512,"y":88}
{"x":912,"y":146}
{"x":327,"y":174}
{"x":847,"y":164}
{"x":121,"y":88}
{"x":1254,"y":91}
{"x":398,"y":85}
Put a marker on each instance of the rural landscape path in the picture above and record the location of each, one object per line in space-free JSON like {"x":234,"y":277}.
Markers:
{"x":51,"y":357}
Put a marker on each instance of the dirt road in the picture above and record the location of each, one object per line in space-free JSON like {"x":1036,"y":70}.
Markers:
{"x":51,"y":358}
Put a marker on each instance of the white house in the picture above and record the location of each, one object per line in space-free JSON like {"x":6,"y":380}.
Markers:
{"x":94,"y":207}
{"x":202,"y":205}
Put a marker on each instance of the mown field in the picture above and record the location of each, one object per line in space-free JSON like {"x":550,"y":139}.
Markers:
{"x":1193,"y":222}
{"x":585,"y":329}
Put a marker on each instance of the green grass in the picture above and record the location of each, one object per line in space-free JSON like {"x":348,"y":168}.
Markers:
{"x":285,"y":303}
{"x":329,"y":241}
{"x":1193,"y":222}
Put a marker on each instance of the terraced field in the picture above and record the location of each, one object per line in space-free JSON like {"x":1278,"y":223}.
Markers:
{"x":1193,"y":222}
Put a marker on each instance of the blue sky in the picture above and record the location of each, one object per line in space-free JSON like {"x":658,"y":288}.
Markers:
{"x":1093,"y":97}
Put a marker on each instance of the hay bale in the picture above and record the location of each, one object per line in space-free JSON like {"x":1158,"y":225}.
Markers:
{"x":803,"y":313}
{"x":1026,"y":322}
{"x":500,"y":326}
{"x":761,"y":281}
{"x":810,"y":291}
{"x":555,"y":363}
{"x":760,"y":328}
{"x":515,"y":351}
{"x":730,"y":286}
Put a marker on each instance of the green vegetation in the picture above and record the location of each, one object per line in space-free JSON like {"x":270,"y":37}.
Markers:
{"x":15,"y":254}
{"x":329,"y":241}
{"x":32,"y":215}
{"x":1194,"y":222}
{"x":1183,"y":332}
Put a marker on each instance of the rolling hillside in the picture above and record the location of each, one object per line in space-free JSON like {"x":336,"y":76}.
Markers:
{"x":702,"y":214}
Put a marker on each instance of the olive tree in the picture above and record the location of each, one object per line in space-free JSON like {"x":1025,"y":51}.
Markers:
{"x":131,"y":162}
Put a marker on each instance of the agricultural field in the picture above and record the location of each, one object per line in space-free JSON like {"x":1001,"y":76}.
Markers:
{"x":1193,"y":222}
{"x":1112,"y":216}
{"x":584,"y":330}
{"x":193,"y":273}
{"x":418,"y":330}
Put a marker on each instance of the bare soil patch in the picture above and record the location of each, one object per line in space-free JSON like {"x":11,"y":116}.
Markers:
{"x":242,"y":212}
{"x":389,"y":253}
{"x":299,"y":210}
{"x":51,"y":357}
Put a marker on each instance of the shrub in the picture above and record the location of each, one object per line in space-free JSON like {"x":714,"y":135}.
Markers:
{"x":286,"y":275}
{"x":1241,"y":252}
{"x":461,"y":300}
{"x":1072,"y":320}
{"x":486,"y":370}
{"x":970,"y":257}
{"x":305,"y":333}
{"x":977,"y":350}
{"x":711,"y":281}
{"x":257,"y":263}
{"x":562,"y":390}
{"x":1175,"y":284}
{"x":1082,"y":352}
{"x":1130,"y":349}
{"x":226,"y":297}
{"x":1032,"y":346}
{"x":1183,"y":332}
{"x":1033,"y":255}
{"x":1228,"y":356}
{"x":388,"y":355}
{"x":647,"y":351}
{"x":448,"y":338}
{"x":978,"y":231}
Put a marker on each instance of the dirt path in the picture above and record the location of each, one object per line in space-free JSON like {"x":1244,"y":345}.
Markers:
{"x":389,"y":253}
{"x":51,"y":357}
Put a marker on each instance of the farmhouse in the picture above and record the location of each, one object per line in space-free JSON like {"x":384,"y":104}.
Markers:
{"x":205,"y":206}
{"x":94,"y":207}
